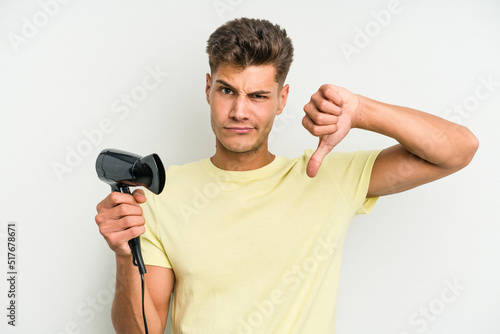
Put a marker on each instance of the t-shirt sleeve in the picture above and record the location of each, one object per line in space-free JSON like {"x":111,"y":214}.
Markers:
{"x":152,"y":248}
{"x":351,"y":172}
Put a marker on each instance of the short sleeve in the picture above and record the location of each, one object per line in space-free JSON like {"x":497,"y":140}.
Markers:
{"x":152,"y":248}
{"x":366,"y":203}
{"x":351,"y":172}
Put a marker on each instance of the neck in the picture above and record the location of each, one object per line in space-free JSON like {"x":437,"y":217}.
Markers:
{"x":245,"y":161}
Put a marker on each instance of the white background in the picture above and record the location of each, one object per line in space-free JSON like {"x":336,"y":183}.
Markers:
{"x":65,"y":68}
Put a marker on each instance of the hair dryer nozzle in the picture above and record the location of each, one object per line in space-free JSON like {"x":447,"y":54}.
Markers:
{"x":157,"y":180}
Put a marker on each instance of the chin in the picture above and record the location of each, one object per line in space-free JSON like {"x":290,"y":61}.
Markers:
{"x":238,"y":147}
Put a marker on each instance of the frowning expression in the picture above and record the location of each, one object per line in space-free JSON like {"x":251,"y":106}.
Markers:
{"x":243,"y":104}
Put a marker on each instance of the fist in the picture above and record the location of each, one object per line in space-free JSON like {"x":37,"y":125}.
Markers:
{"x":329,"y":116}
{"x":120,"y":219}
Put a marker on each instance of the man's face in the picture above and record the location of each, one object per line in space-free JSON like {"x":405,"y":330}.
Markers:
{"x":243,"y":105}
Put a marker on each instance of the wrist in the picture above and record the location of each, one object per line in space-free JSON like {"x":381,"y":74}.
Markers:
{"x":125,"y":262}
{"x":359,"y":117}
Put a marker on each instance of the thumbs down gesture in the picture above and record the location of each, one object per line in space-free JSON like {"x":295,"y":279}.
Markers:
{"x":330,"y":114}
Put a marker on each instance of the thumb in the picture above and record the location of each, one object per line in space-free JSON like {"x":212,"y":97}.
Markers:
{"x":139,"y":196}
{"x":317,"y":158}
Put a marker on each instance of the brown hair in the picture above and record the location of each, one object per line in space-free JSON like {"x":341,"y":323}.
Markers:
{"x":244,"y":42}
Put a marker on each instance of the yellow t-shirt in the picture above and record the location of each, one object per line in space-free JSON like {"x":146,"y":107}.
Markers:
{"x":256,"y":251}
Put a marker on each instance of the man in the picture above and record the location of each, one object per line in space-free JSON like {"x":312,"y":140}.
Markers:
{"x":253,"y":242}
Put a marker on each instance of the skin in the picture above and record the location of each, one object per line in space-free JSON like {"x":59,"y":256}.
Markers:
{"x":243,"y":105}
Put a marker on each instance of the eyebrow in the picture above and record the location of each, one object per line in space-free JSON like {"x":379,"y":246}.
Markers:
{"x":258,"y":92}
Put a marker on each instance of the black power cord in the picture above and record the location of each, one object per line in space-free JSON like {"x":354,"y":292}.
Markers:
{"x":138,"y":262}
{"x":143,"y":311}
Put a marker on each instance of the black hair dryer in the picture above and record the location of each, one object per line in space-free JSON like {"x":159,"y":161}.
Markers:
{"x":122,"y":169}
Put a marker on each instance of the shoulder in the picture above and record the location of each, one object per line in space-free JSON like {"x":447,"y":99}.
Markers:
{"x":339,"y":162}
{"x":189,"y":167}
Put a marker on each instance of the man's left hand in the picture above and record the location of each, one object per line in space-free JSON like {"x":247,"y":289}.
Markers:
{"x":329,"y":116}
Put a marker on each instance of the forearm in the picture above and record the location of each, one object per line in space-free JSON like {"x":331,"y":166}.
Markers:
{"x":126,"y":311}
{"x":438,"y":141}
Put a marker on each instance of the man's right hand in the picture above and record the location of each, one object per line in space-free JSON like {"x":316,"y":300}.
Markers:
{"x":120,"y":219}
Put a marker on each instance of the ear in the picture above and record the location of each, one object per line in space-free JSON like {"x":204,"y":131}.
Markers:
{"x":207,"y":87}
{"x":283,"y":96}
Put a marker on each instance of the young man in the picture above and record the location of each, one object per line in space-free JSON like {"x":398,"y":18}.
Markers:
{"x":251,"y":241}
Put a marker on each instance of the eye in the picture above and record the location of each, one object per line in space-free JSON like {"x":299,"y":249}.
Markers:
{"x":259,"y":97}
{"x":226,"y":90}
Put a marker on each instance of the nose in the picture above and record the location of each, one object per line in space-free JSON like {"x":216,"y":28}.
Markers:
{"x":239,"y":109}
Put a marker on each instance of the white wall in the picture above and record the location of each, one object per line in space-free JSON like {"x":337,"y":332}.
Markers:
{"x":65,"y":68}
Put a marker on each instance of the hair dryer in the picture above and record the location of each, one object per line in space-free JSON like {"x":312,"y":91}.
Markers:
{"x":122,"y":169}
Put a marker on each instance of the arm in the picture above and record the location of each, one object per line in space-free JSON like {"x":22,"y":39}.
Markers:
{"x":126,"y":311}
{"x":120,"y":219}
{"x":429,"y":147}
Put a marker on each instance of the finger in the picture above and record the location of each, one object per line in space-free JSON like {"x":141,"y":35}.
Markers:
{"x":135,"y":232}
{"x":122,"y":224}
{"x":122,"y":237}
{"x":326,"y":105}
{"x":317,"y":158}
{"x":319,"y":117}
{"x":139,"y":196}
{"x":115,"y":198}
{"x":331,"y":93}
{"x":130,"y":221}
{"x":119,"y":241}
{"x":124,"y":210}
{"x":318,"y":130}
{"x":111,"y":215}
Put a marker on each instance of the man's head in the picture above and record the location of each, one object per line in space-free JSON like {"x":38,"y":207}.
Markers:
{"x":249,"y":60}
{"x":245,"y":42}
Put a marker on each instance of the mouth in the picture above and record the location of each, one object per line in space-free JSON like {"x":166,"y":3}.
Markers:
{"x":239,"y":130}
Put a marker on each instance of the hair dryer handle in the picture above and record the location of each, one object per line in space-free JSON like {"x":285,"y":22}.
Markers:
{"x":135,"y":246}
{"x":135,"y":243}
